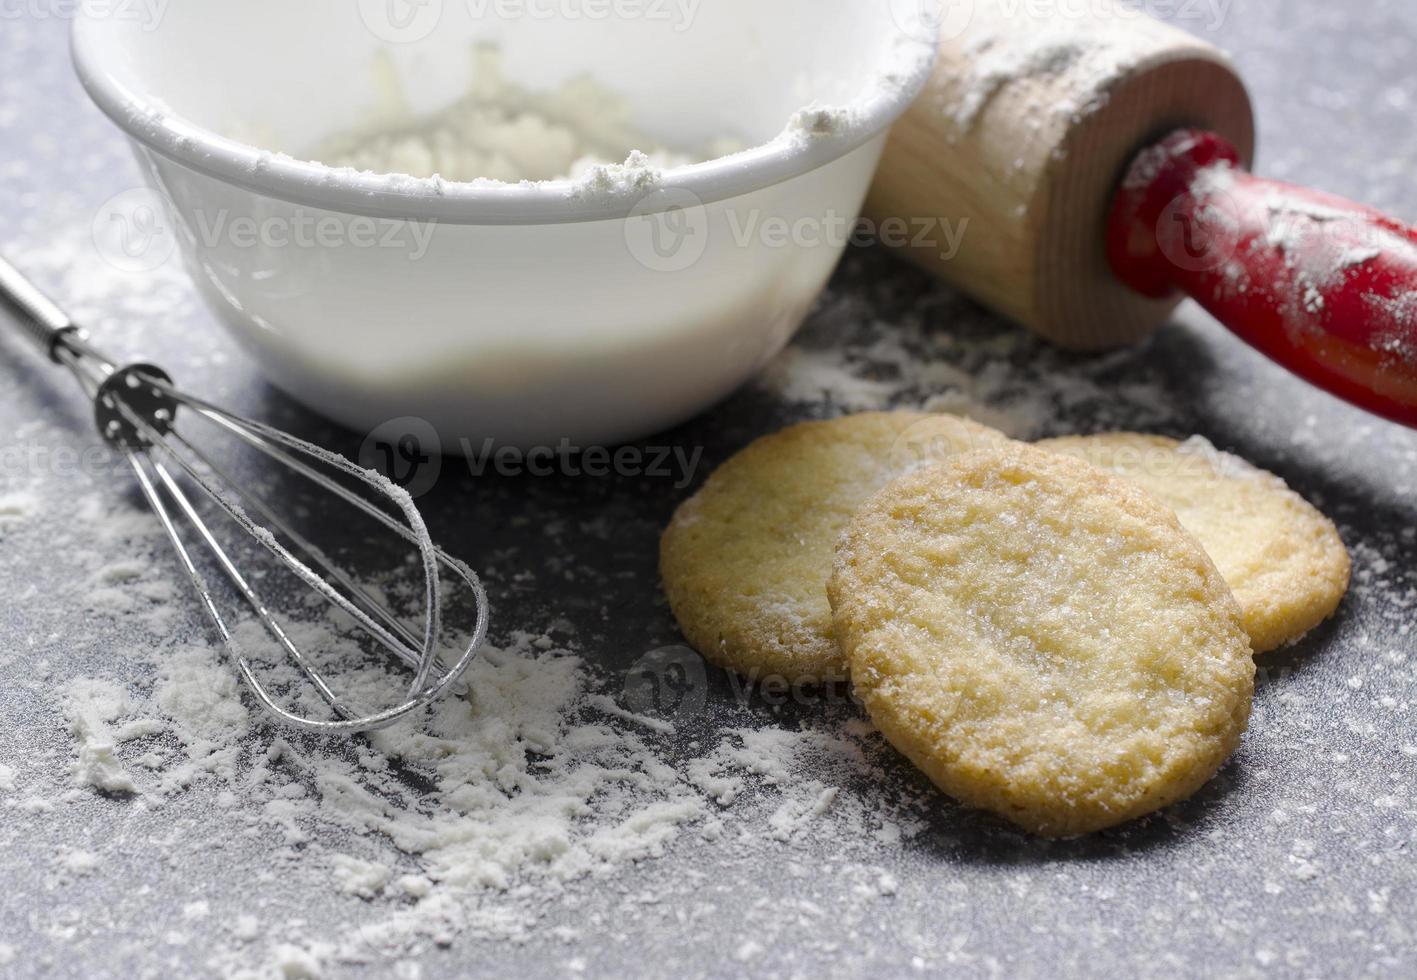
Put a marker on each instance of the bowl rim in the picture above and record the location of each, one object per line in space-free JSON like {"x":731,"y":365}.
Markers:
{"x":792,"y":153}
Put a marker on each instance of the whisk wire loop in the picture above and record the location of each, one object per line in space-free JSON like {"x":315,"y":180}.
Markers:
{"x":137,"y":407}
{"x":280,"y":446}
{"x":154,"y":448}
{"x":330,"y":571}
{"x":142,"y":463}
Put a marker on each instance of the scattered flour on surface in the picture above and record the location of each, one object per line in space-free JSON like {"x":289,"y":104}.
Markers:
{"x":77,"y":863}
{"x":809,"y":376}
{"x":16,"y":507}
{"x":475,"y":819}
{"x":297,"y":963}
{"x":93,"y":706}
{"x":943,"y":354}
{"x":363,"y":878}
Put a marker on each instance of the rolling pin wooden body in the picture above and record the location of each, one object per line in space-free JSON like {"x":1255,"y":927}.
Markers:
{"x":1025,"y":131}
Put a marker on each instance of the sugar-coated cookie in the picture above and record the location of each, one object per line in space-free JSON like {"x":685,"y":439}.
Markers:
{"x":1042,"y":639}
{"x":745,"y":561}
{"x":1284,"y":560}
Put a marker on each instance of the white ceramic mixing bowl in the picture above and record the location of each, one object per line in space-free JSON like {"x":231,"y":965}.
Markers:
{"x":524,"y":313}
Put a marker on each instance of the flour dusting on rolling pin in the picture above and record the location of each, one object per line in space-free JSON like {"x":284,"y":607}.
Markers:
{"x":1100,"y":162}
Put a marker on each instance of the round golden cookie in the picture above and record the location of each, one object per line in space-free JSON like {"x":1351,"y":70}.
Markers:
{"x":1284,"y":560}
{"x":1042,"y":639}
{"x":745,"y":560}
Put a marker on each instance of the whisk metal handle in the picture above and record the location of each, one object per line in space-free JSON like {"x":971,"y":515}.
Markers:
{"x":37,"y":316}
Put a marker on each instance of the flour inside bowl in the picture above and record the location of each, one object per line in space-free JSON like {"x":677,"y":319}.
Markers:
{"x":501,"y":131}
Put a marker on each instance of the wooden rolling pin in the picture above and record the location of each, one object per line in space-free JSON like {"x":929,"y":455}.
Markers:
{"x":1100,"y":159}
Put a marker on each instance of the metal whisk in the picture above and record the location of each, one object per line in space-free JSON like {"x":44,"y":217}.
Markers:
{"x":137,"y":410}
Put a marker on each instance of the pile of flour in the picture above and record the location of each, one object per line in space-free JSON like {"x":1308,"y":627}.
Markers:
{"x":501,"y":131}
{"x":478,"y":818}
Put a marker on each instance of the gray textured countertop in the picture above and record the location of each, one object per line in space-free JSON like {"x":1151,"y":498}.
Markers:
{"x":1300,"y":859}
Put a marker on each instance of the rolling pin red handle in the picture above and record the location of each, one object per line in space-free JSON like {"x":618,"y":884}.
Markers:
{"x":1323,"y":286}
